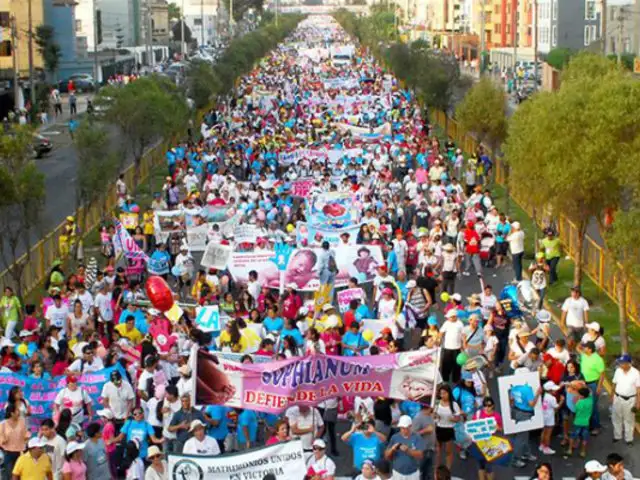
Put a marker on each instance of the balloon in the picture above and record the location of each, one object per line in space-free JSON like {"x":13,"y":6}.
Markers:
{"x":290,"y":228}
{"x":23,"y":349}
{"x":444,"y":296}
{"x":159,"y":293}
{"x":367,"y":335}
{"x":462,"y":358}
{"x":261,"y":216}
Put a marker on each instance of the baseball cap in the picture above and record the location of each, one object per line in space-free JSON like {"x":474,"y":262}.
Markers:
{"x":105,"y":413}
{"x":319,"y":443}
{"x":195,"y":424}
{"x":327,"y":307}
{"x":35,"y":442}
{"x":74,"y":447}
{"x":457,"y":297}
{"x":625,"y":358}
{"x":452,"y":313}
{"x":594,"y":466}
{"x":404,"y":421}
{"x":550,"y":386}
{"x":593,"y":326}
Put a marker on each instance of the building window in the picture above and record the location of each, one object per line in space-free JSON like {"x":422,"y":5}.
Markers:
{"x":78,"y":25}
{"x":554,"y":9}
{"x":590,"y":34}
{"x":197,"y":22}
{"x":590,"y":10}
{"x":5,"y":48}
{"x":554,"y":36}
{"x":5,"y":20}
{"x":497,"y":28}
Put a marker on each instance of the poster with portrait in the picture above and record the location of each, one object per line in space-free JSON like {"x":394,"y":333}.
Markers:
{"x":166,"y":222}
{"x":333,"y":210}
{"x":309,"y":234}
{"x":216,"y":256}
{"x":302,"y":269}
{"x":517,"y":392}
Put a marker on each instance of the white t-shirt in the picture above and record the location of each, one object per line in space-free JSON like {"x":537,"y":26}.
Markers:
{"x":74,"y":401}
{"x":167,"y":417}
{"x":599,"y":342}
{"x":452,"y":334}
{"x":55,"y":449}
{"x":118,"y":398}
{"x":325,"y":463}
{"x":516,"y":242}
{"x":208,"y":446}
{"x":305,"y":421}
{"x":58,"y":316}
{"x":575,"y":308}
{"x":386,"y":308}
{"x":549,"y":405}
{"x":490,"y":344}
{"x":86,"y":367}
{"x":444,"y":415}
{"x":563,"y":356}
{"x":102,"y":303}
{"x":626,"y":383}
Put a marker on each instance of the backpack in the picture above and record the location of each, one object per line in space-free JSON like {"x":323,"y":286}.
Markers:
{"x":333,"y":266}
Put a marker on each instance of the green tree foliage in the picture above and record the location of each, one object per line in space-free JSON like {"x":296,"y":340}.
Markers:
{"x":579,"y":142}
{"x":48,"y":48}
{"x":202,"y":83}
{"x":558,"y":58}
{"x":174,"y":11}
{"x":96,"y":162}
{"x":147,"y":110}
{"x":483,"y":111}
{"x":22,"y":199}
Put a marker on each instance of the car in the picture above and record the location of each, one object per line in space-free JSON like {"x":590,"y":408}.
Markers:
{"x":83,"y":82}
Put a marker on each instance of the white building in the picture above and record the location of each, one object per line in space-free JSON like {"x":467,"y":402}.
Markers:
{"x":201,"y":16}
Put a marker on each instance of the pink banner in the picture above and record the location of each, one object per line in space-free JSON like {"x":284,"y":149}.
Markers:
{"x":275,"y":386}
{"x":302,"y":188}
{"x":345,"y":297}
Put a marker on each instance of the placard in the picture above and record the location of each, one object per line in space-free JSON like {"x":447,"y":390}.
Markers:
{"x":216,"y":256}
{"x":520,"y":389}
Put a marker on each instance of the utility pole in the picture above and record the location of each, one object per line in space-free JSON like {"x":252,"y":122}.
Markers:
{"x":202,"y":23}
{"x":483,"y":26}
{"x":515,"y":37}
{"x":603,"y":27}
{"x":14,"y":48}
{"x":149,"y":36}
{"x":621,"y":18}
{"x":32,"y":85}
{"x":535,"y":44}
{"x":95,"y":40}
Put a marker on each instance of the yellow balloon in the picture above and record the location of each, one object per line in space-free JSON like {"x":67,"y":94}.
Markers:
{"x":23,"y":349}
{"x":290,"y":228}
{"x":368,"y":335}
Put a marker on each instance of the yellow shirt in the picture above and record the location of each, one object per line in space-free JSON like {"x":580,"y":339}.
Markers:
{"x":225,"y":341}
{"x":147,"y":220}
{"x":27,"y":468}
{"x":133,"y":335}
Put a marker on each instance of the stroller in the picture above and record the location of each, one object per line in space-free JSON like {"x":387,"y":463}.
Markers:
{"x":487,"y":245}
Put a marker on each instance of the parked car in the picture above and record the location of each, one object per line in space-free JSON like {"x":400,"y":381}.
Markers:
{"x":83,"y":82}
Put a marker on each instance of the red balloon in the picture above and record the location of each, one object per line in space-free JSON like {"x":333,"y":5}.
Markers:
{"x":159,"y":293}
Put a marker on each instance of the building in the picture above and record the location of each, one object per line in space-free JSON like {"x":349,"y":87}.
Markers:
{"x":201,"y":16}
{"x":121,"y":21}
{"x":19,"y":10}
{"x":623,"y":28}
{"x":573,"y":24}
{"x":160,"y":22}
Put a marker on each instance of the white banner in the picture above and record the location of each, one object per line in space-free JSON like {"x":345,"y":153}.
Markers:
{"x":197,"y":237}
{"x":284,"y":460}
{"x":245,"y":233}
{"x":216,"y":256}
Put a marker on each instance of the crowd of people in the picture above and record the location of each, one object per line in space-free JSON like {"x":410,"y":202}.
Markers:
{"x":423,"y":204}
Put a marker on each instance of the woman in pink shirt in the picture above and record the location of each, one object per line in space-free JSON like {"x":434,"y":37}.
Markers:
{"x":74,"y":467}
{"x":281,"y":433}
{"x":13,"y":438}
{"x":108,"y":436}
{"x":421,"y":175}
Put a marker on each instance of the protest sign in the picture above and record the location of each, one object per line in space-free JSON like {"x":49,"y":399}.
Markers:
{"x":345,"y":297}
{"x":308,"y":234}
{"x":481,"y":429}
{"x":216,"y":256}
{"x":124,"y":244}
{"x":516,"y":393}
{"x":208,"y":319}
{"x":284,"y":460}
{"x":129,"y":220}
{"x":274,"y":386}
{"x":302,"y":188}
{"x":197,"y":237}
{"x":302,"y":268}
{"x":333,"y":210}
{"x":244,"y":233}
{"x":217,"y":213}
{"x":166,"y":222}
{"x":236,"y":357}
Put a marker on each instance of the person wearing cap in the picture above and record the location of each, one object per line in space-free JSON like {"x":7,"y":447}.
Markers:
{"x":626,"y":399}
{"x":520,"y":347}
{"x":575,"y":315}
{"x":74,"y":398}
{"x":593,"y":470}
{"x":291,"y":302}
{"x":471,"y":240}
{"x":451,"y":337}
{"x":320,"y":462}
{"x":329,"y":315}
{"x":387,"y":304}
{"x":118,"y":396}
{"x":418,"y":300}
{"x":473,"y":336}
{"x":33,"y":464}
{"x":594,"y":334}
{"x":592,"y":367}
{"x":74,"y":467}
{"x":382,"y":277}
{"x":405,"y":451}
{"x":365,"y":442}
{"x":550,"y":406}
{"x":200,"y":443}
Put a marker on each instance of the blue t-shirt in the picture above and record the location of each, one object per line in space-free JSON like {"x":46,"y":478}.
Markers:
{"x":465,"y":399}
{"x":140,"y":431}
{"x":402,"y":462}
{"x":522,"y":395}
{"x":353,"y":340}
{"x":140,"y":320}
{"x":249,"y":419}
{"x":219,"y":414}
{"x":294,"y":333}
{"x":410,"y":408}
{"x":272,"y":324}
{"x":365,"y":448}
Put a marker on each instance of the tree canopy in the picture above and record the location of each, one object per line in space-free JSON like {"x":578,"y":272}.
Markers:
{"x":483,"y":111}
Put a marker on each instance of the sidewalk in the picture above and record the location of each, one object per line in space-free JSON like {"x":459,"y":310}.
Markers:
{"x":63,"y":119}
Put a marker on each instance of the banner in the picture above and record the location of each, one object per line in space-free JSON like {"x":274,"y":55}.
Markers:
{"x":307,"y":234}
{"x":302,"y":268}
{"x":208,"y":319}
{"x":166,"y":222}
{"x":289,"y":158}
{"x":42,"y":393}
{"x":345,"y":297}
{"x":302,"y":188}
{"x":197,"y":237}
{"x":129,"y":220}
{"x":217,"y":213}
{"x":124,"y":243}
{"x":363,"y":132}
{"x":245,"y":233}
{"x":216,"y":256}
{"x":274,"y":386}
{"x":283,"y":460}
{"x":333,"y":210}
{"x":336,"y":154}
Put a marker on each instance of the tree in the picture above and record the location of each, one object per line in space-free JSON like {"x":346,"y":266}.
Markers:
{"x":174,"y":11}
{"x":48,"y":48}
{"x":95,"y":164}
{"x":21,"y":201}
{"x":176,"y":30}
{"x":589,"y":129}
{"x":202,"y":83}
{"x":145,"y":111}
{"x":622,"y":242}
{"x":558,"y":58}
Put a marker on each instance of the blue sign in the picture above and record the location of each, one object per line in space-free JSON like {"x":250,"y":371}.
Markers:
{"x":209,"y":319}
{"x":481,"y":429}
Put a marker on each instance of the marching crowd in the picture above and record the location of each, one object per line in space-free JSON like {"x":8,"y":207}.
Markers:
{"x":424,"y":204}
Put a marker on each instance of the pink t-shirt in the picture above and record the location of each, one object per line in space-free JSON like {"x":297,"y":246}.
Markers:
{"x":78,"y":470}
{"x":273,"y":440}
{"x":108,"y":432}
{"x":30,"y":323}
{"x":481,"y":414}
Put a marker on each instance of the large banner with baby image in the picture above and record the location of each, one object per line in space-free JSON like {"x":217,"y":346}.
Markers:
{"x":302,"y":267}
{"x":274,"y":386}
{"x":333,"y":210}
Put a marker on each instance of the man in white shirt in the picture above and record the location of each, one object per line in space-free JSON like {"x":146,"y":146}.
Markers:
{"x":381,"y":278}
{"x":54,"y":446}
{"x":516,"y":247}
{"x":626,"y":399}
{"x":306,"y":424}
{"x":86,"y":299}
{"x":102,"y":305}
{"x":451,"y":334}
{"x":200,"y":443}
{"x":171,"y":405}
{"x":574,"y":317}
{"x":320,"y":463}
{"x":118,"y":396}
{"x":87,"y":364}
{"x":253,"y":286}
{"x":57,"y":314}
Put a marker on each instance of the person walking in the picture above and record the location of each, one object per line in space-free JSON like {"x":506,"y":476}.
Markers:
{"x":626,"y":399}
{"x":592,"y":367}
{"x":13,"y":439}
{"x":516,"y":248}
{"x":552,"y":253}
{"x":451,"y":337}
{"x":405,"y":451}
{"x":327,"y":266}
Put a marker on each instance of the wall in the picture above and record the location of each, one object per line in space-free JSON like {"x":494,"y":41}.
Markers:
{"x":571,"y":24}
{"x":62,"y":19}
{"x":19,"y":9}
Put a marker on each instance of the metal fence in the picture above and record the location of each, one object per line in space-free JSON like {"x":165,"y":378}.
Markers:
{"x":38,"y":262}
{"x":600,"y":268}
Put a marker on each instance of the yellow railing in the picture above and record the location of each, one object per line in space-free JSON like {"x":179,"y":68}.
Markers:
{"x":42,"y":254}
{"x":597,"y":265}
